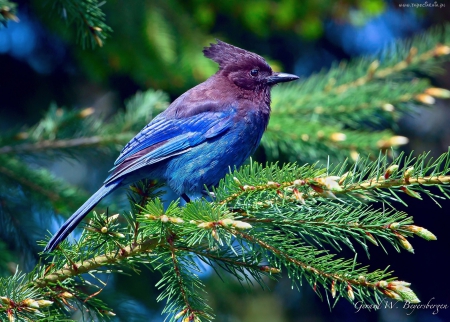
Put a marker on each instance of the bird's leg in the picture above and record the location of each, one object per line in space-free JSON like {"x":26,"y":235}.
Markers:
{"x":185,"y":197}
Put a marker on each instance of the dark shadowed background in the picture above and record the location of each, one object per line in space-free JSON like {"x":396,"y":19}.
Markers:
{"x":158,"y":44}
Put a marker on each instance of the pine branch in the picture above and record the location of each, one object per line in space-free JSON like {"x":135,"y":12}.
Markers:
{"x":355,"y":98}
{"x":259,"y":223}
{"x":182,"y":289}
{"x":249,"y":269}
{"x":318,"y":267}
{"x":324,"y":225}
{"x":75,"y":269}
{"x":321,"y":141}
{"x":61,"y":131}
{"x":376,"y":101}
{"x":40,"y":184}
{"x":85,"y":142}
{"x":363,"y":181}
{"x":87,"y":18}
{"x":27,"y":304}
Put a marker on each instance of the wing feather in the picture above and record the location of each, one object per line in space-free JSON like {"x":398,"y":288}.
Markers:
{"x":165,"y":138}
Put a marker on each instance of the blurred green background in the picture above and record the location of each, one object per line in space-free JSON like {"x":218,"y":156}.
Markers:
{"x":157,"y":44}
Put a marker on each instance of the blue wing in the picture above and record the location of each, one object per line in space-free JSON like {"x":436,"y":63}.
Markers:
{"x":166,"y":137}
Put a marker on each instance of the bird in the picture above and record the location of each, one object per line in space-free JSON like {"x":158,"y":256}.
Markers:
{"x":213,"y":126}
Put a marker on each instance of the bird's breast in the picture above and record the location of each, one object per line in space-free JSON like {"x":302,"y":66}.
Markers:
{"x":210,"y":161}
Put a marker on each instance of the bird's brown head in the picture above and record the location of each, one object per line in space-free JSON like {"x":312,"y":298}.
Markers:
{"x":245,"y":69}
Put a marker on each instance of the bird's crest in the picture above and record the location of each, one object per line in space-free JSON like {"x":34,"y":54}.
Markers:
{"x":225,"y":54}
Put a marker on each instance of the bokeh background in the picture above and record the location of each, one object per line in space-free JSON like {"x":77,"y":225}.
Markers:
{"x":157,"y":44}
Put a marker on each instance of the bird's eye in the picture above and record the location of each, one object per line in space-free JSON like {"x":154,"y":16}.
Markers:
{"x":254,"y":72}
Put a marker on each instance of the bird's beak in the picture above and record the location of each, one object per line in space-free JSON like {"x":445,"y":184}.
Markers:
{"x":280,"y":78}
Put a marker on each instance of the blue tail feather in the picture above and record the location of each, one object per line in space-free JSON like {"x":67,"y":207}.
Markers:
{"x":78,"y":216}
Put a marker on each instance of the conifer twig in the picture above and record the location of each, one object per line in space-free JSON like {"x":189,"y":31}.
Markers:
{"x":84,"y":142}
{"x":95,"y":263}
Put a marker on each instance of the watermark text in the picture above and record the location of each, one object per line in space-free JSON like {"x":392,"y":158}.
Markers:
{"x":426,"y":4}
{"x":407,"y":306}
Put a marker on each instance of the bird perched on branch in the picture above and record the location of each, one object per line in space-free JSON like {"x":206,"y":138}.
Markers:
{"x":216,"y":125}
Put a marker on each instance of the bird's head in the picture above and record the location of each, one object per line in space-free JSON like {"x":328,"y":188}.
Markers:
{"x":245,"y":69}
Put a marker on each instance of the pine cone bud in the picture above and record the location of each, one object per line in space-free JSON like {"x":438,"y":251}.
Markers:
{"x":66,"y":295}
{"x":241,"y":225}
{"x":333,"y":289}
{"x":86,"y":112}
{"x":215,"y":235}
{"x":350,"y":293}
{"x":408,"y":173}
{"x":206,"y":225}
{"x":420,"y":231}
{"x":227,"y":222}
{"x":11,"y":317}
{"x":390,"y":171}
{"x":30,"y":303}
{"x":406,"y":294}
{"x":338,"y":137}
{"x":113,"y":218}
{"x":299,"y":196}
{"x":44,"y":303}
{"x":176,"y":220}
{"x":391,"y":294}
{"x":438,"y":92}
{"x":405,"y":243}
{"x":272,"y":184}
{"x":180,"y":314}
{"x":394,"y":226}
{"x":109,"y":313}
{"x":425,"y":99}
{"x":388,"y":107}
{"x":442,"y":50}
